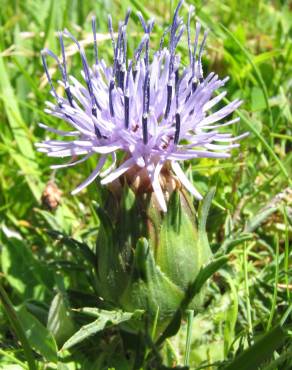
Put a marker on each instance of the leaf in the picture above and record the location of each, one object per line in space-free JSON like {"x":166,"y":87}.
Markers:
{"x":105,"y":319}
{"x":17,"y":327}
{"x":149,"y":286}
{"x":258,"y":353}
{"x":75,"y":246}
{"x":26,"y":161}
{"x":40,"y":339}
{"x":60,"y":322}
{"x":256,"y":221}
{"x":180,"y":250}
{"x":28,"y":276}
{"x":204,"y":274}
{"x":232,"y":241}
{"x":204,"y":209}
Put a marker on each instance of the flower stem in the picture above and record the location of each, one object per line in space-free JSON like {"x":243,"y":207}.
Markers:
{"x":190,"y":316}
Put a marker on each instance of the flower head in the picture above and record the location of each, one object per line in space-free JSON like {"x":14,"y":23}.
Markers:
{"x":152,"y":108}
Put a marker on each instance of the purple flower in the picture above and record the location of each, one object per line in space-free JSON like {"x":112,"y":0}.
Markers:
{"x":152,"y":108}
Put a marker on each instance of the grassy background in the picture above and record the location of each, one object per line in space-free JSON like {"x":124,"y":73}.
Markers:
{"x":251,"y":42}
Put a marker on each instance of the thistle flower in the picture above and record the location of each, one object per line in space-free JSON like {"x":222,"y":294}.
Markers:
{"x":154,"y":109}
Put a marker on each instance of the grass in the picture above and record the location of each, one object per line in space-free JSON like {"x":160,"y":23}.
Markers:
{"x":249,"y":299}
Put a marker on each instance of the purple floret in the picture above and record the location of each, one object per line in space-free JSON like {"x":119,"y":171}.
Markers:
{"x":152,"y":108}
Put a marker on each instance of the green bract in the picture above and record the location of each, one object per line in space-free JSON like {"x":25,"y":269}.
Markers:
{"x":147,"y":260}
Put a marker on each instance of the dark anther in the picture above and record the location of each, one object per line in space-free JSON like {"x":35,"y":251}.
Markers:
{"x":201,"y":79}
{"x":194,"y":86}
{"x":176,"y":77}
{"x":177,"y":128}
{"x":96,"y":129}
{"x":169,"y":96}
{"x":144,"y":128}
{"x":126,"y":111}
{"x":69,"y":95}
{"x":111,"y":87}
{"x":121,"y":78}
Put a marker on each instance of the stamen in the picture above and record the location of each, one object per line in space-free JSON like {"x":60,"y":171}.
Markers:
{"x":54,"y":56}
{"x":63,"y":56}
{"x":96,"y":129}
{"x":125,"y":45}
{"x":189,"y":32}
{"x":111,"y":87}
{"x":143,"y":23}
{"x":111,"y":32}
{"x":85,"y":68}
{"x":146,"y":93}
{"x":149,"y":29}
{"x":198,"y":29}
{"x":128,"y":74}
{"x":169,"y":97}
{"x":146,"y":103}
{"x":65,"y":75}
{"x":174,"y":22}
{"x":201,"y":53}
{"x":165,"y":32}
{"x":43,"y":53}
{"x":126,"y":110}
{"x":176,"y":78}
{"x":121,"y":78}
{"x":139,"y":49}
{"x":177,"y":129}
{"x":194,"y":85}
{"x":129,"y":11}
{"x":94,"y":39}
{"x":144,"y":129}
{"x":117,"y":52}
{"x":178,"y":37}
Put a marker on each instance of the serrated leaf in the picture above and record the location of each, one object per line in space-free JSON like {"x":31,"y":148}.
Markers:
{"x":105,"y":319}
{"x":256,"y":221}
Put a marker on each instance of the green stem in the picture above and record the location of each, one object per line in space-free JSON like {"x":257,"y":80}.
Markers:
{"x":286,"y":253}
{"x":17,"y":327}
{"x":246,"y":286}
{"x":275,"y":294}
{"x":190,"y":316}
{"x":13,"y":358}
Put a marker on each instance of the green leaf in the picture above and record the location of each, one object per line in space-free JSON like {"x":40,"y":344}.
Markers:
{"x":194,"y":288}
{"x":17,"y":327}
{"x":233,"y":240}
{"x":105,"y":320}
{"x":75,"y":246}
{"x":150,"y":287}
{"x":204,"y":209}
{"x":60,"y":322}
{"x":261,"y":351}
{"x":204,"y":274}
{"x":40,"y":339}
{"x":26,"y":161}
{"x":180,"y":250}
{"x":28,"y":276}
{"x":256,"y":221}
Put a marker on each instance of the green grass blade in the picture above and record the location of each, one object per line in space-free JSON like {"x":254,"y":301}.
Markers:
{"x":17,"y":328}
{"x":256,"y":70}
{"x":258,"y":353}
